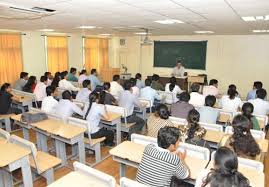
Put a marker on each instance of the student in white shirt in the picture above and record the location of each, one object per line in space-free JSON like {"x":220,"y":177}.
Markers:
{"x":49,"y":103}
{"x":66,"y":108}
{"x":172,"y":87}
{"x":84,"y":93}
{"x":136,"y":90}
{"x":197,"y":99}
{"x":50,"y":77}
{"x":212,"y":89}
{"x":230,"y":102}
{"x":261,"y":107}
{"x":115,"y":88}
{"x":65,"y":84}
{"x":82,"y":76}
{"x":93,"y":114}
{"x":40,"y":90}
{"x":149,"y":93}
{"x":139,"y":82}
{"x":224,"y":172}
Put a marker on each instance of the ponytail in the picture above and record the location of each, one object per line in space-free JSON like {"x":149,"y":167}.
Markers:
{"x":193,"y":119}
{"x":92,"y":98}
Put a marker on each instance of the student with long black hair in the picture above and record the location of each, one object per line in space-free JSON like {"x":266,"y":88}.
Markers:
{"x":230,"y":101}
{"x":247,"y":110}
{"x":93,"y":114}
{"x":105,"y":97}
{"x":30,"y":85}
{"x":6,"y":99}
{"x":224,"y":172}
{"x":172,"y":87}
{"x":56,"y":79}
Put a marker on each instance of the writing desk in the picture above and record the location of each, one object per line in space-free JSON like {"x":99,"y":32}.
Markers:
{"x":12,"y":158}
{"x":6,"y":118}
{"x":24,"y":100}
{"x":25,"y":126}
{"x":129,"y":153}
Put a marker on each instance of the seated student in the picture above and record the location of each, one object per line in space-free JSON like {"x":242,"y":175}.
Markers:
{"x":94,"y":79}
{"x":261,"y":107}
{"x":158,"y":120}
{"x":193,"y":133}
{"x":181,"y":108}
{"x":224,"y":172}
{"x":65,"y":84}
{"x":105,"y":97}
{"x":72,"y":75}
{"x":139,"y":82}
{"x":241,"y":141}
{"x":93,"y":114}
{"x":197,"y":99}
{"x":30,"y":85}
{"x":230,"y":102}
{"x":162,"y":163}
{"x":149,"y":93}
{"x":84,"y":93}
{"x":50,"y":77}
{"x":56,"y":79}
{"x":212,"y":89}
{"x":19,"y":84}
{"x":256,"y":86}
{"x":208,"y":114}
{"x":40,"y":90}
{"x":66,"y":108}
{"x":155,"y":84}
{"x":247,"y":110}
{"x":49,"y":103}
{"x":233,"y":87}
{"x":172,"y":87}
{"x":129,"y":101}
{"x":82,"y":76}
{"x":136,"y":90}
{"x":6,"y":99}
{"x":115,"y":88}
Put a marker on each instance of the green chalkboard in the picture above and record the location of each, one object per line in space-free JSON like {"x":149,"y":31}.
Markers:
{"x":192,"y":54}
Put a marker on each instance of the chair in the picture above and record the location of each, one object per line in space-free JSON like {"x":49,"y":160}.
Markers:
{"x":225,"y":116}
{"x":263,"y":121}
{"x":80,"y":103}
{"x":92,"y":144}
{"x":26,"y":94}
{"x":257,"y":134}
{"x":41,"y":162}
{"x":213,"y":127}
{"x":76,"y":84}
{"x":96,"y":175}
{"x":125,"y":182}
{"x":195,"y":151}
{"x":4,"y":134}
{"x":144,"y":140}
{"x":168,"y":97}
{"x":178,"y":121}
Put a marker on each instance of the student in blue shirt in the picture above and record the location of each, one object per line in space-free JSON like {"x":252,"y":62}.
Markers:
{"x":252,"y":94}
{"x":72,"y":75}
{"x":94,"y":79}
{"x":208,"y":114}
{"x":139,"y":82}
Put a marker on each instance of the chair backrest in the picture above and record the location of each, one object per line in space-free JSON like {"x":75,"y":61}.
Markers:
{"x":26,"y":94}
{"x":80,"y":123}
{"x":144,"y":140}
{"x":168,"y":97}
{"x":76,"y":84}
{"x":32,"y":109}
{"x":117,"y":109}
{"x":125,"y":182}
{"x":178,"y":121}
{"x":102,"y":178}
{"x":213,"y":127}
{"x":149,"y":103}
{"x":263,"y":120}
{"x":56,"y":117}
{"x":4,"y":134}
{"x":257,"y":134}
{"x":195,"y":151}
{"x":80,"y":103}
{"x":225,"y":116}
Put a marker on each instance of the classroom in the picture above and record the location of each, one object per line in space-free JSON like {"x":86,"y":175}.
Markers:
{"x":134,"y":93}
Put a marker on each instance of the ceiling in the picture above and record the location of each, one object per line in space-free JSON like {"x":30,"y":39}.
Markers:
{"x":220,"y":16}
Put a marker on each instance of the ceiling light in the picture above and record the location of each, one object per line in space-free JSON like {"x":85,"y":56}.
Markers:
{"x":168,"y":21}
{"x":46,"y":30}
{"x":260,"y":31}
{"x":266,"y":17}
{"x":203,"y":32}
{"x":249,"y":18}
{"x":104,"y":34}
{"x":87,"y":27}
{"x":259,"y":18}
{"x":142,"y":33}
{"x":117,"y":27}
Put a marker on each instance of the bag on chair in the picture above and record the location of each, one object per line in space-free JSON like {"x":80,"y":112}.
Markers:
{"x":33,"y":118}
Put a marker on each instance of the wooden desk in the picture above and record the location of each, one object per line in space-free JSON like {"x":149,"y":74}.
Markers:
{"x":6,"y":119}
{"x":129,"y":153}
{"x":181,"y":81}
{"x":14,"y":157}
{"x":255,"y":177}
{"x":23,"y":101}
{"x":25,"y":126}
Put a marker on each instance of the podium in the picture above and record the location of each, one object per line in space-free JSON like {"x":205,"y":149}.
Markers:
{"x":125,"y":76}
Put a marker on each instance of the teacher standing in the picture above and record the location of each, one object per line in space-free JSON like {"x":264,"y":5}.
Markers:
{"x":178,"y":70}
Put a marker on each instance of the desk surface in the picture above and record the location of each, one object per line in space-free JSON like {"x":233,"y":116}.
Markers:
{"x":11,"y":153}
{"x":255,"y":177}
{"x":134,"y":152}
{"x":112,"y":116}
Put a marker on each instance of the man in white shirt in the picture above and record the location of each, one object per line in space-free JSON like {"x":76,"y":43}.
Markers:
{"x":49,"y":103}
{"x":40,"y":90}
{"x":179,"y":70}
{"x":135,"y":89}
{"x":261,"y":107}
{"x":65,"y":84}
{"x":212,"y":89}
{"x":197,"y":99}
{"x":50,"y":77}
{"x":115,"y":87}
{"x":84,"y":93}
{"x":149,"y":93}
{"x":82,"y":76}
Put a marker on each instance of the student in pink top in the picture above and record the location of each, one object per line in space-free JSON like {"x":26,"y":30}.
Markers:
{"x":212,"y":89}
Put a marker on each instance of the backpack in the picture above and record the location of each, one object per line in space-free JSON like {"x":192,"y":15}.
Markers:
{"x":33,"y":118}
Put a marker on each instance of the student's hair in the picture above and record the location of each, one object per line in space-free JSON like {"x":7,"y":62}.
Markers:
{"x":133,"y":81}
{"x":213,"y":81}
{"x":138,"y":76}
{"x":127,"y":85}
{"x":147,"y":82}
{"x":67,"y":95}
{"x":82,"y":72}
{"x":247,"y":110}
{"x":46,"y":74}
{"x":195,"y":87}
{"x":72,"y":70}
{"x":56,"y":79}
{"x":4,"y":87}
{"x":93,"y":71}
{"x":258,"y":84}
{"x":92,"y":98}
{"x":210,"y":100}
{"x":232,"y":93}
{"x":155,"y":77}
{"x":225,"y":172}
{"x":242,"y":140}
{"x":50,"y":90}
{"x":57,"y":74}
{"x":173,"y":82}
{"x":193,"y":119}
{"x":23,"y":75}
{"x":28,"y":86}
{"x":167,"y":136}
{"x":184,"y":96}
{"x":86,"y":83}
{"x":106,"y":87}
{"x":43,"y":79}
{"x":162,"y":111}
{"x":63,"y":74}
{"x":116,"y":77}
{"x":261,"y":93}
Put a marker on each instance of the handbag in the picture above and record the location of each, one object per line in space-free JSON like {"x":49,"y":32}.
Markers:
{"x":33,"y":118}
